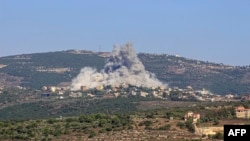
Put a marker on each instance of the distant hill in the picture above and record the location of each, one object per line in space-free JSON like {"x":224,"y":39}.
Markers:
{"x":53,"y":68}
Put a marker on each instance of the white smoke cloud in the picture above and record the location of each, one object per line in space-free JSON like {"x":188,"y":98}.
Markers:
{"x":122,"y":67}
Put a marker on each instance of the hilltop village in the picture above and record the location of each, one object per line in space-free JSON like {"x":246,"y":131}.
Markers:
{"x":125,"y":90}
{"x":112,"y":92}
{"x":173,"y":124}
{"x":42,"y":96}
{"x":191,"y":121}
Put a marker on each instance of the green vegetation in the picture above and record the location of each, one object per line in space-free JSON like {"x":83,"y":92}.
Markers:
{"x":218,"y":78}
{"x":176,"y":71}
{"x":181,"y":125}
{"x":69,"y":107}
{"x":90,"y":125}
{"x":165,"y":127}
{"x":218,"y":135}
{"x":189,"y":125}
{"x":146,"y":123}
{"x":94,"y":123}
{"x":34,"y":79}
{"x":25,"y":115}
{"x":216,"y":114}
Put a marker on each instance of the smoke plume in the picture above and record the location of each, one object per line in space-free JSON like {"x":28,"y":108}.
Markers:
{"x":122,"y":67}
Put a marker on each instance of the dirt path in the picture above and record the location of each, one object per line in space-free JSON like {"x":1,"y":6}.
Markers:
{"x":197,"y":130}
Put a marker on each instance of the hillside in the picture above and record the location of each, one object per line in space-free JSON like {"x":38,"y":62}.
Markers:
{"x":158,"y":124}
{"x":53,"y":68}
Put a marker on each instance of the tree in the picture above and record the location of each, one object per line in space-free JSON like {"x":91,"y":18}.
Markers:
{"x":216,"y":121}
{"x":190,"y":126}
{"x":180,"y":125}
{"x":218,"y":135}
{"x":165,"y":127}
{"x":102,"y":122}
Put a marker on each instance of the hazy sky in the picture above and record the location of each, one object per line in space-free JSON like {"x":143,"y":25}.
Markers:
{"x":210,"y":30}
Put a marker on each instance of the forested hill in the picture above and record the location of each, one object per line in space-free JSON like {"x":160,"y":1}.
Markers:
{"x":52,"y":68}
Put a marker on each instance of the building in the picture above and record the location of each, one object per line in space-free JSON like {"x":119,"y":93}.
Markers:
{"x":84,"y":88}
{"x":78,"y":94}
{"x":59,"y":97}
{"x":229,"y":96}
{"x":52,"y":89}
{"x":44,"y":88}
{"x":116,"y":94}
{"x":45,"y":94}
{"x":245,"y":97}
{"x":242,"y":112}
{"x":108,"y":95}
{"x":99,"y":88}
{"x":143,"y":94}
{"x":195,"y":117}
{"x":115,"y":88}
{"x":60,"y":92}
{"x":90,"y":95}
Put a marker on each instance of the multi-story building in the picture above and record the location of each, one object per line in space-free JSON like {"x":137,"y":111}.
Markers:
{"x":192,"y":115}
{"x":242,"y":112}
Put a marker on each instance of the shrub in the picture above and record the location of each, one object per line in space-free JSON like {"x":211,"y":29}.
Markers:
{"x":147,"y":123}
{"x":165,"y":127}
{"x":70,"y":120}
{"x":51,"y":121}
{"x":91,"y":133}
{"x":190,"y":126}
{"x":218,"y":135}
{"x":180,"y":125}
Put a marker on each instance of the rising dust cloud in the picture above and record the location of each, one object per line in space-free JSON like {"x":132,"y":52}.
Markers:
{"x":122,"y":67}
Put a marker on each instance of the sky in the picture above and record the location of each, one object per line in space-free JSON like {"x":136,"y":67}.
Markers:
{"x":208,"y":30}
